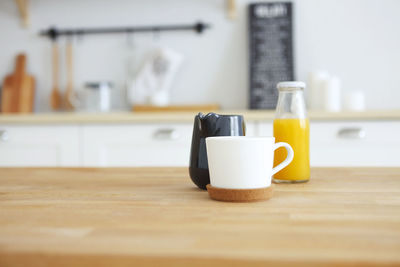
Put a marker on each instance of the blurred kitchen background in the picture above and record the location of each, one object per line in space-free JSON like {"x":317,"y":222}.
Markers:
{"x":348,"y":49}
{"x":355,"y":40}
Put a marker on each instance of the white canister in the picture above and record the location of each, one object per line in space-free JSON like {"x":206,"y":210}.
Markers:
{"x":96,"y":97}
{"x":331,"y":94}
{"x":314,"y":92}
{"x":354,"y":101}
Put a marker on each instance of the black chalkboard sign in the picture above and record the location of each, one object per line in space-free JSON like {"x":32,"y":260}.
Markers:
{"x":271,"y":51}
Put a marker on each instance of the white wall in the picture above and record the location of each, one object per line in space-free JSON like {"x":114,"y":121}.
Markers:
{"x":358,"y":40}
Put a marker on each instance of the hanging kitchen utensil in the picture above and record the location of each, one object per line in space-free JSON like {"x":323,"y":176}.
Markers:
{"x":18,"y":89}
{"x":26,"y":92}
{"x":55,"y":98}
{"x":69,"y":94}
{"x":8,"y":95}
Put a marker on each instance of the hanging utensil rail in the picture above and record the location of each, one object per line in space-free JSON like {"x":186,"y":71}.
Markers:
{"x":53,"y":33}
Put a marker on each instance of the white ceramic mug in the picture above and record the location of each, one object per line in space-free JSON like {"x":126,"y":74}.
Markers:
{"x":241,"y":162}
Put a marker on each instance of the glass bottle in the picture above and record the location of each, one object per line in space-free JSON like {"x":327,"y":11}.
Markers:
{"x":292,"y":126}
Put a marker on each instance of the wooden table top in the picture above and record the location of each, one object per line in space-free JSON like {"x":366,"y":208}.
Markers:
{"x":157,"y":217}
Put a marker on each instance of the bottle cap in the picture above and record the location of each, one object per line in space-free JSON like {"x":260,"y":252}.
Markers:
{"x":291,"y":85}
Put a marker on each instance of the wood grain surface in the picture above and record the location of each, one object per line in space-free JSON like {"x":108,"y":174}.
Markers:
{"x":18,"y":90}
{"x":183,"y":117}
{"x":157,"y":217}
{"x":176,"y":108}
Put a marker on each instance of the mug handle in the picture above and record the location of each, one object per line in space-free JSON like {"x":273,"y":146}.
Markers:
{"x":288,"y":159}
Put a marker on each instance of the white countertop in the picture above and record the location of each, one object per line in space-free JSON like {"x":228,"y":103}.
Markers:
{"x":151,"y":117}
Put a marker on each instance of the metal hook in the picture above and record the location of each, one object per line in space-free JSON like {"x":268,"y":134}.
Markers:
{"x":156,"y":35}
{"x":79,"y":36}
{"x":70,"y":38}
{"x":129,"y":39}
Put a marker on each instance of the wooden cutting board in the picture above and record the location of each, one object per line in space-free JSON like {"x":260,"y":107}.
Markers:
{"x":176,"y":108}
{"x":18,"y":91}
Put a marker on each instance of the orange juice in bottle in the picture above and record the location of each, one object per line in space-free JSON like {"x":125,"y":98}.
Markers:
{"x":291,"y":125}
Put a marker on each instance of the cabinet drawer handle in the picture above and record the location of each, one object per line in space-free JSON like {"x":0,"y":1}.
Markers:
{"x":4,"y":135}
{"x":166,"y":134}
{"x":351,"y":133}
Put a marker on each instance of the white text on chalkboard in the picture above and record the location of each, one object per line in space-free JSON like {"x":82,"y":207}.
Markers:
{"x":270,"y":11}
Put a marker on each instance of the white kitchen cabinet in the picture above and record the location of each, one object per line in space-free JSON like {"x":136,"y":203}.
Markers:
{"x":355,"y":143}
{"x":164,"y":144}
{"x":333,"y":143}
{"x":39,"y":145}
{"x":350,"y":143}
{"x":137,"y":145}
{"x":251,"y":128}
{"x":264,"y":129}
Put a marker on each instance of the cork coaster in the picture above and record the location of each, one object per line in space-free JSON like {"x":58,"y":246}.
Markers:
{"x":240,"y":195}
